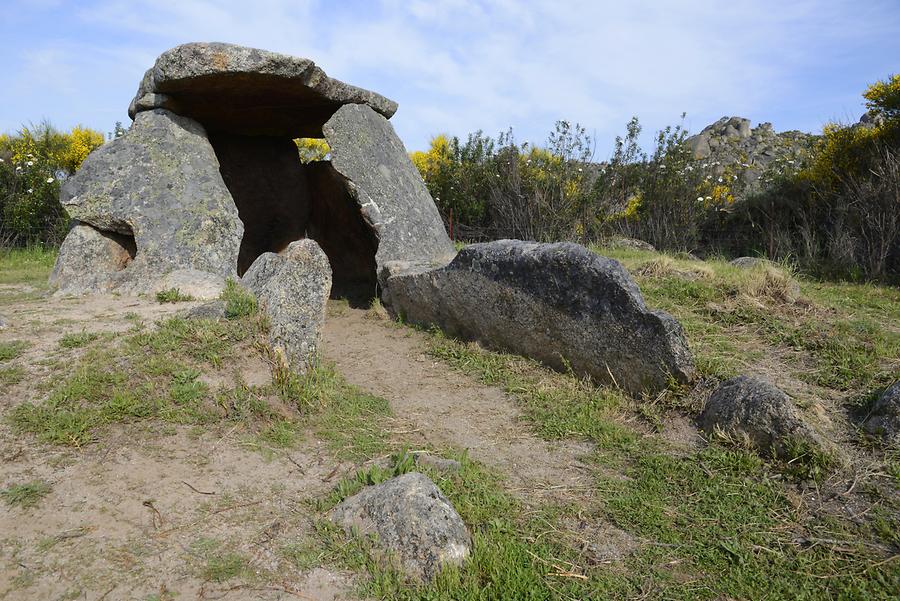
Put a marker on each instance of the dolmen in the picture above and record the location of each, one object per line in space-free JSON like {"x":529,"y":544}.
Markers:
{"x":208,"y":181}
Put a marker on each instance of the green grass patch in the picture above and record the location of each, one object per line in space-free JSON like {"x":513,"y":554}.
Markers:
{"x":147,"y":375}
{"x":557,"y":405}
{"x":172,"y":295}
{"x":78,"y":339}
{"x":10,"y":376}
{"x":11,"y":349}
{"x":215,"y":562}
{"x":26,"y":265}
{"x":239,"y":302}
{"x":25,"y":495}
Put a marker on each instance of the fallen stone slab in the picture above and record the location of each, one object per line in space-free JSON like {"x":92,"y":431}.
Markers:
{"x":388,"y":188}
{"x":756,"y":411}
{"x":884,"y":419}
{"x":248,"y":91}
{"x":293,"y":287}
{"x":415,"y":527}
{"x":158,"y":189}
{"x":558,"y":303}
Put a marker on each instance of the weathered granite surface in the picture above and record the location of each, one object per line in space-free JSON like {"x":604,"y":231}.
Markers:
{"x":247,"y":90}
{"x":293,"y":288}
{"x":160,"y":185}
{"x":558,"y":303}
{"x":416,"y":528}
{"x":389,"y":190}
{"x":754,"y":409}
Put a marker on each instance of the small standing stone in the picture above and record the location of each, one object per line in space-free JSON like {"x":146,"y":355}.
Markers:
{"x":293,"y":288}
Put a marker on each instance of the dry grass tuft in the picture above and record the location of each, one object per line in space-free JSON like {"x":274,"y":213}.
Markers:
{"x":771,"y":283}
{"x":664,"y":267}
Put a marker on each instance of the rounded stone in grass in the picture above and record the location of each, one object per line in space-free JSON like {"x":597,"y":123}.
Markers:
{"x":884,"y":419}
{"x":755,"y":410}
{"x":415,"y":527}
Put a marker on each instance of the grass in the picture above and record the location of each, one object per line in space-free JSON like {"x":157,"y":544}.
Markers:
{"x":145,"y":375}
{"x":78,"y":339}
{"x":11,"y":349}
{"x":30,"y":266}
{"x":216,"y":563}
{"x":172,"y":295}
{"x":829,"y":334}
{"x":239,"y":302}
{"x":717,"y":522}
{"x":10,"y":376}
{"x":26,"y":495}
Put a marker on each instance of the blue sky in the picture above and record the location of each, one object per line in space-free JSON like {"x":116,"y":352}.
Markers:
{"x":456,"y":66}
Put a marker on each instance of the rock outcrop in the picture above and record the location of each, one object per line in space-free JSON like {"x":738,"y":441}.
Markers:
{"x":558,"y":303}
{"x":415,"y":527}
{"x":387,"y":186}
{"x":730,"y":143}
{"x":755,"y":411}
{"x":884,"y":419}
{"x":293,"y":288}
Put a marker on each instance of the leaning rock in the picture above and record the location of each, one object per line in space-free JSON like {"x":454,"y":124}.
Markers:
{"x":754,"y":409}
{"x":884,"y":420}
{"x":248,"y":91}
{"x":158,"y":186}
{"x":91,"y":260}
{"x":415,"y":525}
{"x":391,"y":194}
{"x":559,"y":303}
{"x":292,"y":288}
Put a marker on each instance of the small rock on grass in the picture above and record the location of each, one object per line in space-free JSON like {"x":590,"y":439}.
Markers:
{"x":753,"y":409}
{"x":884,"y":419}
{"x":415,"y":527}
{"x":209,"y":310}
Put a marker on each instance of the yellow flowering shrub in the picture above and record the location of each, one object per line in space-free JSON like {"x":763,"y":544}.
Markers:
{"x":81,"y":142}
{"x":883,"y":97}
{"x":312,"y":149}
{"x":436,"y":161}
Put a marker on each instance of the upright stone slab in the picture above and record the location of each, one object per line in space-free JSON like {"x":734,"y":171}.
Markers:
{"x":158,"y":185}
{"x":293,"y":288}
{"x":391,"y":194}
{"x":558,"y":303}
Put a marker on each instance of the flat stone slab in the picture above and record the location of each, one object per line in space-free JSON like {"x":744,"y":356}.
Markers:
{"x":248,"y":91}
{"x":558,"y":303}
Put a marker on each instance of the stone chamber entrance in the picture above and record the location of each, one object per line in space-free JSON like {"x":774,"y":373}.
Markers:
{"x":281,"y":199}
